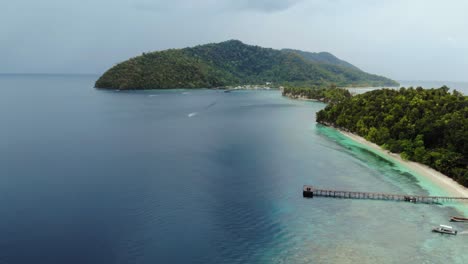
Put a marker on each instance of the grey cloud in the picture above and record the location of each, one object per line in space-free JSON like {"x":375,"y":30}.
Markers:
{"x":175,"y":5}
{"x":265,"y":5}
{"x":418,"y":39}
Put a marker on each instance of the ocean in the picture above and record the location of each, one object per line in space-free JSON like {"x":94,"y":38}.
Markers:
{"x":196,"y":176}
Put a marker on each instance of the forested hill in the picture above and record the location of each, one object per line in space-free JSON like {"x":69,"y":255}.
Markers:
{"x":232,"y":63}
{"x":426,"y":126}
{"x":322,"y":57}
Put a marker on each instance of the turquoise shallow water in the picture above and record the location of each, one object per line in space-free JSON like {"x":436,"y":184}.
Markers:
{"x":395,"y":227}
{"x":428,"y":187}
{"x":199,"y":176}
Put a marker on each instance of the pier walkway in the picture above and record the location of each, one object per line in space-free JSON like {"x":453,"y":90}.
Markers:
{"x":309,"y":191}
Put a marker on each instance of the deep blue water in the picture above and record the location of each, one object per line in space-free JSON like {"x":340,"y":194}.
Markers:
{"x":201,"y":176}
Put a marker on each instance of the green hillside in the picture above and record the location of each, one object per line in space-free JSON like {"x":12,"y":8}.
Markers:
{"x":322,"y":57}
{"x":231,"y":63}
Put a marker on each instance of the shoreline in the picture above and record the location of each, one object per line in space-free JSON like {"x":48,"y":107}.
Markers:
{"x":444,"y":182}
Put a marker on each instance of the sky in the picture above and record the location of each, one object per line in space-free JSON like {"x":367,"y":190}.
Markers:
{"x":400,"y":39}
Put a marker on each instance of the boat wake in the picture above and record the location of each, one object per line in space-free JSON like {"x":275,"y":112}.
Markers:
{"x":153,"y":95}
{"x":465,"y":232}
{"x":203,"y":109}
{"x":211,"y":105}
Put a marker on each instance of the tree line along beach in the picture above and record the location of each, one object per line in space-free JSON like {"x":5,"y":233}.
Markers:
{"x":426,"y":132}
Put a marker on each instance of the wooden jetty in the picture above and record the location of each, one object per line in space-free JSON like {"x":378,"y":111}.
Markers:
{"x":309,"y":192}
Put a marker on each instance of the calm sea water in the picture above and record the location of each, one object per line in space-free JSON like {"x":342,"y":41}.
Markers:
{"x":91,"y":176}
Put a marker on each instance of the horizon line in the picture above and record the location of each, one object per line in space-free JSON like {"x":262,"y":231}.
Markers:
{"x":46,"y":73}
{"x":72,"y":73}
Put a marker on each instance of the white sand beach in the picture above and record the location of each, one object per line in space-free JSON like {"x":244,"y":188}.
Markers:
{"x":439,"y":179}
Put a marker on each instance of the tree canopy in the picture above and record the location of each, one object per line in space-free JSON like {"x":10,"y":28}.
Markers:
{"x":427,"y":126}
{"x":330,"y":94}
{"x":232,"y":63}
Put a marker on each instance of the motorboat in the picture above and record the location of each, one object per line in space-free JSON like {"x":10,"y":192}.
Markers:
{"x":444,"y":229}
{"x":458,"y":219}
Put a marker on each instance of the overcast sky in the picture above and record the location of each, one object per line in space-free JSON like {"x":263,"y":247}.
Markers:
{"x":400,"y":39}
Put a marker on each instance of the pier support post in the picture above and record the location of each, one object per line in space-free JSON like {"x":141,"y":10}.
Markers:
{"x":308,"y":191}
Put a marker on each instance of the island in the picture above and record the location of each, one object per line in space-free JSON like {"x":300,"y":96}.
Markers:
{"x":331,"y":94}
{"x":428,"y":126}
{"x":233,"y":63}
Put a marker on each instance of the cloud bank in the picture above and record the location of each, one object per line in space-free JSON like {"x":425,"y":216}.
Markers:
{"x":418,"y":39}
